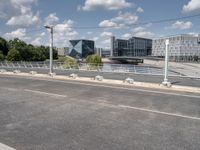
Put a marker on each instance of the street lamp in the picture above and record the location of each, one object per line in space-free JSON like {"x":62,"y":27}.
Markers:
{"x":166,"y":82}
{"x":50,"y":50}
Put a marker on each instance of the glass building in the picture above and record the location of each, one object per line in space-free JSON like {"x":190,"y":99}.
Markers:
{"x":81,"y":48}
{"x":132,"y":47}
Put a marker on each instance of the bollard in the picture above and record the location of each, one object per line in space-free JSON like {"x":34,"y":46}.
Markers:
{"x":99,"y":78}
{"x":73,"y":76}
{"x":129,"y":81}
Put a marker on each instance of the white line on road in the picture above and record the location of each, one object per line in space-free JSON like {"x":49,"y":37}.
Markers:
{"x":123,"y":88}
{"x":5,"y":147}
{"x":44,"y":93}
{"x":159,"y":112}
{"x":116,"y":87}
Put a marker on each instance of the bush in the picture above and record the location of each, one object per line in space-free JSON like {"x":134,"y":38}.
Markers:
{"x":69,"y":62}
{"x":94,"y":61}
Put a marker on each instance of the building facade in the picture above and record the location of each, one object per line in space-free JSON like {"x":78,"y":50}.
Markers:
{"x":64,"y":51}
{"x":180,"y":46}
{"x":132,"y":47}
{"x":81,"y":48}
{"x":104,"y":53}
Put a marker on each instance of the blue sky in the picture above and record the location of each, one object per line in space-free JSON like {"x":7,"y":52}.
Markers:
{"x":25,"y":19}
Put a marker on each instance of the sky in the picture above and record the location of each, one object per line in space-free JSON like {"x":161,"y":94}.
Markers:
{"x":90,"y":19}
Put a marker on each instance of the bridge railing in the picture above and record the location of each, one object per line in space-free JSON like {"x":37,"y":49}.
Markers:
{"x":112,"y":68}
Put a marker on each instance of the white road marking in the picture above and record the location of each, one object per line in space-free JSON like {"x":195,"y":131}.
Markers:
{"x":9,"y":89}
{"x":5,"y":147}
{"x":123,"y":88}
{"x":44,"y":93}
{"x":159,"y":112}
{"x":116,"y":87}
{"x":149,"y":111}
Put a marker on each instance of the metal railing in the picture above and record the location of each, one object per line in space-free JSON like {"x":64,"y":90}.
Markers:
{"x":111,"y":68}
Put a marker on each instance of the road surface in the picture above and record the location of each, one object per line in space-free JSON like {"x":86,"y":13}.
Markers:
{"x":39,"y":114}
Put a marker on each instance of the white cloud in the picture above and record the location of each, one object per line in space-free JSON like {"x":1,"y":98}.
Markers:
{"x":107,"y":23}
{"x":19,"y":12}
{"x":64,"y":32}
{"x":95,"y":38}
{"x":145,"y":34}
{"x":51,"y":19}
{"x":106,"y":34}
{"x":121,"y":21}
{"x":140,"y":10}
{"x":19,"y":33}
{"x":193,"y":5}
{"x":182,"y":25}
{"x":24,"y":20}
{"x":138,"y":29}
{"x":126,"y":36}
{"x":125,"y":18}
{"x":108,"y":4}
{"x":106,"y":42}
{"x":37,"y":41}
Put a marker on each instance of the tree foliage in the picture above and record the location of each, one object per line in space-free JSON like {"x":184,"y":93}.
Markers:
{"x":14,"y":55}
{"x":69,"y":62}
{"x":94,"y":59}
{"x":2,"y":57}
{"x":18,"y":50}
{"x":3,"y":46}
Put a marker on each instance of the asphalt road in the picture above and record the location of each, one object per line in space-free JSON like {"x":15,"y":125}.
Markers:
{"x":120,"y":76}
{"x":39,"y":114}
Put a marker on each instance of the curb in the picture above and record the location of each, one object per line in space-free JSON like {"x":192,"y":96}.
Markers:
{"x":113,"y":82}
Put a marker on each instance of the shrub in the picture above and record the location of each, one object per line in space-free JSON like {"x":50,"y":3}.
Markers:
{"x":69,"y":62}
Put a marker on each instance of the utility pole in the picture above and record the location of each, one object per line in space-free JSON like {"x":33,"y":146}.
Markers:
{"x":166,"y":82}
{"x":50,"y":50}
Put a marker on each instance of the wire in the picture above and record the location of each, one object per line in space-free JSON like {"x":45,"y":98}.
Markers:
{"x":137,"y":24}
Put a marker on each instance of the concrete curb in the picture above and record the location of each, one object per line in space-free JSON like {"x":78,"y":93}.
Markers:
{"x":111,"y":82}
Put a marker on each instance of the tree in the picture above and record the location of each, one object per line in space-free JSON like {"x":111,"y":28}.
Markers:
{"x":3,"y":46}
{"x":14,"y":55}
{"x":2,"y":57}
{"x":94,"y":61}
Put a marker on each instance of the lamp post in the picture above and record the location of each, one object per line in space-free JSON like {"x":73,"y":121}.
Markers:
{"x":166,"y":82}
{"x":50,"y":50}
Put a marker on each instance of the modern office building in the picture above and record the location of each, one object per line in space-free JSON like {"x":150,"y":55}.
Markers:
{"x":81,"y":48}
{"x":182,"y":46}
{"x":132,"y":47}
{"x":103,"y":52}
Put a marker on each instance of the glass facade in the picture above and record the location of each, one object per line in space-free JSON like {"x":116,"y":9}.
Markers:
{"x":81,"y":48}
{"x":133,"y":47}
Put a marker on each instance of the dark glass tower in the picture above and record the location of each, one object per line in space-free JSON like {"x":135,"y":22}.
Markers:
{"x":81,"y":48}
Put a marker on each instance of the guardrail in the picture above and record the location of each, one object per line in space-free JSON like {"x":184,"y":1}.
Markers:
{"x":112,"y":68}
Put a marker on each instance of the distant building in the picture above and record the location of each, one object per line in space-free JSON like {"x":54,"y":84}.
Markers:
{"x":103,"y":52}
{"x":64,"y":51}
{"x":180,"y":46}
{"x":132,"y":47}
{"x":81,"y":48}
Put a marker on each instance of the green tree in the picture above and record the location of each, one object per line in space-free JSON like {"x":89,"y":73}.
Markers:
{"x":14,"y":55}
{"x":3,"y":46}
{"x":94,"y":61}
{"x":2,"y":57}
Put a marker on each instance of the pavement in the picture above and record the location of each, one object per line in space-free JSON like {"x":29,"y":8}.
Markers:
{"x":47,"y":114}
{"x":183,"y":81}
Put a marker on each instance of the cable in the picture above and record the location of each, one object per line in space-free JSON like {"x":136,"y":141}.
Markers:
{"x":137,"y":24}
